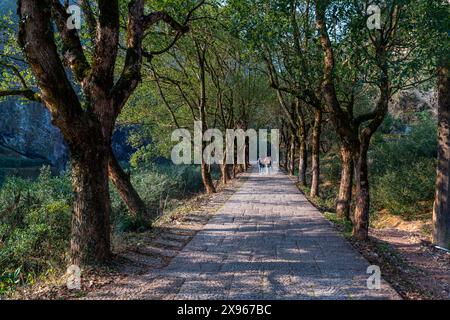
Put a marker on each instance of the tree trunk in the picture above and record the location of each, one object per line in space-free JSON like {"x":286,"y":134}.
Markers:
{"x":291,"y":168}
{"x":244,"y":166}
{"x":247,"y":154}
{"x":361,"y":219}
{"x":207,"y":180}
{"x":224,"y":173}
{"x":286,"y":159}
{"x":303,"y":162}
{"x":228,"y":169}
{"x":90,"y":242}
{"x":316,"y":153}
{"x":441,"y":212}
{"x":128,"y":194}
{"x":345,"y":189}
{"x":206,"y":175}
{"x":288,"y":154}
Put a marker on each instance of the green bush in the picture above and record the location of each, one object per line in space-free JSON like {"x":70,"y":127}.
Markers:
{"x":403,"y":169}
{"x":331,"y":167}
{"x":407,"y":190}
{"x":34,"y":226}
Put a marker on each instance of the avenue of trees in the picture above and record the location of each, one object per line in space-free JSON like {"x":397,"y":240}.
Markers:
{"x":311,"y":68}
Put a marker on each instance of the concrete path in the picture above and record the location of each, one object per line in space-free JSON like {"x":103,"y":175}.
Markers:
{"x":267,"y":242}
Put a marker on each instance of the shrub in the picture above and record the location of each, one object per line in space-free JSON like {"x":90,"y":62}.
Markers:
{"x":331,"y":167}
{"x":34,"y":226}
{"x":403,"y":169}
{"x":407,"y":190}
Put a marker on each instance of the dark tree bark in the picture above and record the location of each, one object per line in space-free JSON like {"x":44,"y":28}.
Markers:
{"x":315,"y":166}
{"x":291,"y":168}
{"x":75,"y":59}
{"x":441,"y":212}
{"x":346,"y":184}
{"x":303,"y":136}
{"x":341,"y":120}
{"x":127,"y":193}
{"x":206,"y":175}
{"x":286,"y":157}
{"x":224,"y":173}
{"x":225,"y":170}
{"x":302,"y":162}
{"x":207,"y":180}
{"x":247,"y":154}
{"x":361,"y":215}
{"x":288,"y":153}
{"x":90,"y":241}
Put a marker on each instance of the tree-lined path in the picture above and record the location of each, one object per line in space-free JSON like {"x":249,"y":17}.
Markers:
{"x":267,"y":242}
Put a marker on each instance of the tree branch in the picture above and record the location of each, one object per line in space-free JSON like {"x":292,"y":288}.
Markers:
{"x":26,"y":93}
{"x":72,"y":49}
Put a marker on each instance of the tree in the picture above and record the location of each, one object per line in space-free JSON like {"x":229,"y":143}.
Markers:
{"x":441,"y":212}
{"x":432,"y":32}
{"x":86,"y":116}
{"x":389,"y":68}
{"x":282,"y":33}
{"x":186,"y":73}
{"x":209,"y":77}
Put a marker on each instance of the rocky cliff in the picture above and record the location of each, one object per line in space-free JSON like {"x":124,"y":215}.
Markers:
{"x":27,"y":129}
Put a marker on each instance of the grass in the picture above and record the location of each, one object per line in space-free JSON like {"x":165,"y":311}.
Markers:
{"x":343,"y":224}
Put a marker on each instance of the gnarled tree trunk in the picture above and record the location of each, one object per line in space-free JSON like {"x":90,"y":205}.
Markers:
{"x":345,"y":188}
{"x":315,"y":166}
{"x":361,"y":215}
{"x":224,"y":173}
{"x":90,"y":241}
{"x":291,"y":168}
{"x":127,"y":193}
{"x":302,"y":162}
{"x":206,"y":175}
{"x":441,"y":212}
{"x":206,"y":178}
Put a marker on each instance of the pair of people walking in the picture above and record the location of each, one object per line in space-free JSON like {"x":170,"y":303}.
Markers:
{"x":265,"y":165}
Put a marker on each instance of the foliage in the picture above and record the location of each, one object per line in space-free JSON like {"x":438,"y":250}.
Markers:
{"x":340,"y":222}
{"x":403,"y":170}
{"x":34,"y":226}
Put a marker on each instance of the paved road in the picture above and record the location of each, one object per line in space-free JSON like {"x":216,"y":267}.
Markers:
{"x":267,"y":242}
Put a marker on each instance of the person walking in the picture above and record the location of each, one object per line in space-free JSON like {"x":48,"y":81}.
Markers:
{"x":260,"y":166}
{"x":269,"y":165}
